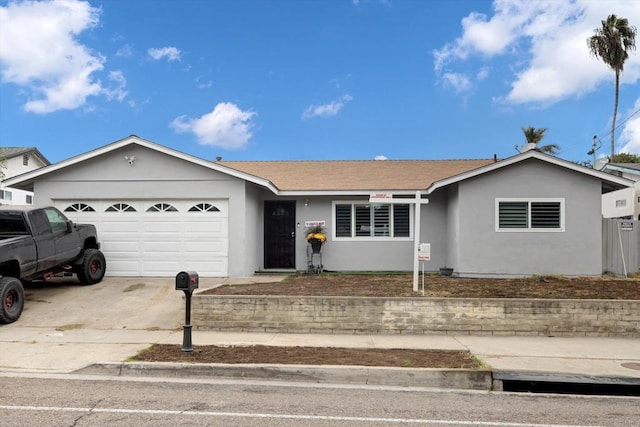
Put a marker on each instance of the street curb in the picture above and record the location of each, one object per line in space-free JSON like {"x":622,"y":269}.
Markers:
{"x":466,"y":379}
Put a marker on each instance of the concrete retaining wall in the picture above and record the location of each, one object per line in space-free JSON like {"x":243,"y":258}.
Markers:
{"x":544,"y":317}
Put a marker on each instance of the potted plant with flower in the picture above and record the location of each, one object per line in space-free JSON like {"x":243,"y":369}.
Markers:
{"x":316,"y":236}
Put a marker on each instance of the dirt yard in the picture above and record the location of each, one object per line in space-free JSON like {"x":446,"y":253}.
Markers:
{"x":388,"y":285}
{"x":401,"y":358}
{"x":401,"y":285}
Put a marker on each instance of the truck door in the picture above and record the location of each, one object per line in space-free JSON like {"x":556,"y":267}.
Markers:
{"x":41,"y":231}
{"x":67,"y":244}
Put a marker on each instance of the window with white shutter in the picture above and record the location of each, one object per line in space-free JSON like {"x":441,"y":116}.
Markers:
{"x":529,"y":215}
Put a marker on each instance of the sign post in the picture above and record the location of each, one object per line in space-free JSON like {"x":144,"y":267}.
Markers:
{"x":417,"y":202}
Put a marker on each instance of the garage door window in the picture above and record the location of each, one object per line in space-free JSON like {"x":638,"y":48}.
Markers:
{"x":162,"y":207}
{"x":79,"y":207}
{"x":120,"y":207}
{"x":203,"y":207}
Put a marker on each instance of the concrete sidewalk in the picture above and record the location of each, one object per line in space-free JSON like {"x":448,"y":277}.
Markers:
{"x":49,"y":350}
{"x":66,"y":328}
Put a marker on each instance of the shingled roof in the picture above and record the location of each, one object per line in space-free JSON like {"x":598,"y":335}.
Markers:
{"x":11,"y":152}
{"x":355,"y":175}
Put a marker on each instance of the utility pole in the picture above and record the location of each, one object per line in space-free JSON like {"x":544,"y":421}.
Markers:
{"x":593,"y":150}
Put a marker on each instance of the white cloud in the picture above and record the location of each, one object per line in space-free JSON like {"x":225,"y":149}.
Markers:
{"x":125,"y":51}
{"x":483,"y":73}
{"x":459,"y":82}
{"x":481,"y":35}
{"x":326,"y":110}
{"x":226,"y":126}
{"x":547,"y":41}
{"x":119,"y":91}
{"x":40,"y":52}
{"x":201,"y":83}
{"x":380,"y":157}
{"x":630,"y":136}
{"x":169,"y":52}
{"x":138,"y":105}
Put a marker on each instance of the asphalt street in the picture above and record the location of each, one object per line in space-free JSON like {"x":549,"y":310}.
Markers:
{"x":65,"y":400}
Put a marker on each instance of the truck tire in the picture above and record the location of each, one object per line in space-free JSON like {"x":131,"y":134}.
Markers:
{"x":11,"y":298}
{"x":92,"y":267}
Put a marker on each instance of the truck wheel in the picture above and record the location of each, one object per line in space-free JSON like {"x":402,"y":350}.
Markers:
{"x":11,"y":298}
{"x":92,"y":268}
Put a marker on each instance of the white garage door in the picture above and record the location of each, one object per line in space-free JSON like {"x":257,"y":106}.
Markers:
{"x":157,"y":238}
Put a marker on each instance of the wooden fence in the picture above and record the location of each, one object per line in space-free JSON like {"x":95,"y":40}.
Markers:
{"x":620,"y":246}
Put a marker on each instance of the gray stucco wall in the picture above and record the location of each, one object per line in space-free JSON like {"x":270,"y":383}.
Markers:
{"x":372,"y":254}
{"x":483,"y":251}
{"x":153,"y":175}
{"x":252,"y":244}
{"x":434,"y":230}
{"x":346,"y":254}
{"x":453,"y":225}
{"x":459,"y":222}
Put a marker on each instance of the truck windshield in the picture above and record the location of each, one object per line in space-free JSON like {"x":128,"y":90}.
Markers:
{"x":12,"y":223}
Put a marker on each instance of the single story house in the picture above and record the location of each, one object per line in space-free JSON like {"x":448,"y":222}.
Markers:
{"x":16,"y":161}
{"x":160,"y":211}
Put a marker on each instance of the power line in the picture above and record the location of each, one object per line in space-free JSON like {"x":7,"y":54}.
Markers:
{"x":599,"y":138}
{"x":622,"y":122}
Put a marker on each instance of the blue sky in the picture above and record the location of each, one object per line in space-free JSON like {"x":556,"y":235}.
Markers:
{"x":301,"y":79}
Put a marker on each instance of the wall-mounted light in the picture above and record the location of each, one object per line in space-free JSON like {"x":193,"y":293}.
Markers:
{"x":130,"y":159}
{"x":306,"y":202}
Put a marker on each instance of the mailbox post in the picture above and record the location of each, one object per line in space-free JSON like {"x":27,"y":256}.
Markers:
{"x":187,"y":281}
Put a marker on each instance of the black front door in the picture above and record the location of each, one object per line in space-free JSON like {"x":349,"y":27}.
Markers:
{"x":279,"y":234}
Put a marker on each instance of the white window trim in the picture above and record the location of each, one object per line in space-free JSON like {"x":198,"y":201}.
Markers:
{"x":370,"y":238}
{"x":529,"y":229}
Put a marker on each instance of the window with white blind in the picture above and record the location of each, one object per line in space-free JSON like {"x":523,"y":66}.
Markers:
{"x":517,"y":215}
{"x":371,"y":220}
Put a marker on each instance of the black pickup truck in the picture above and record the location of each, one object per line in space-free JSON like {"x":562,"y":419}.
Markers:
{"x":36,"y":244}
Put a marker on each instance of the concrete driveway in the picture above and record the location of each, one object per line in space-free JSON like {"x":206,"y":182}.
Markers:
{"x":114,"y":303}
{"x":66,"y":326}
{"x":140,"y":303}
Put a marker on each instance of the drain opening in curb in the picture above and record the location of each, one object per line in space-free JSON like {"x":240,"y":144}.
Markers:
{"x":571,"y":388}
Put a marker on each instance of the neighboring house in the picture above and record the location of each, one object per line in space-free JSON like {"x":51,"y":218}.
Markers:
{"x":623,"y":203}
{"x":160,"y":211}
{"x":18,"y":160}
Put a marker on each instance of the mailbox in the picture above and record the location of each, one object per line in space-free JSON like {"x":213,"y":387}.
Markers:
{"x":187,"y":281}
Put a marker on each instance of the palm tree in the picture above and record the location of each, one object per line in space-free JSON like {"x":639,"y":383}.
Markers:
{"x":535,"y":135}
{"x":611,"y":43}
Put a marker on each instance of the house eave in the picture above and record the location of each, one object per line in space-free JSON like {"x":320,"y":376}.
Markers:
{"x":622,"y":169}
{"x":613,"y":181}
{"x":337,"y":193}
{"x":25,"y":180}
